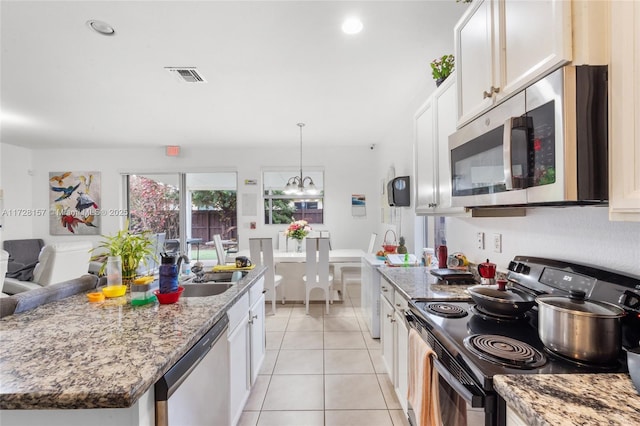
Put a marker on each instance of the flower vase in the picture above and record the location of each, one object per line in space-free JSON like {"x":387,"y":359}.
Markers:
{"x":298,"y":246}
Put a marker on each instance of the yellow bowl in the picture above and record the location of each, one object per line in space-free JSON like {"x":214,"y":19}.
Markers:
{"x":114,"y":290}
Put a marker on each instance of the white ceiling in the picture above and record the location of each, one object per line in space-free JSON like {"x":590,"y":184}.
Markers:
{"x":268,"y":65}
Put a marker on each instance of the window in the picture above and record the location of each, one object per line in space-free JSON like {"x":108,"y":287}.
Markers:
{"x":280,"y":208}
{"x":188,"y":207}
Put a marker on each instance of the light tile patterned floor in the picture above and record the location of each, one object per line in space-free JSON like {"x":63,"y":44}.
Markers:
{"x":322,"y":369}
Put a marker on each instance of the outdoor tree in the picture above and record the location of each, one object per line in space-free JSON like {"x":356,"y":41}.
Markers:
{"x":153,"y":206}
{"x":221,"y":203}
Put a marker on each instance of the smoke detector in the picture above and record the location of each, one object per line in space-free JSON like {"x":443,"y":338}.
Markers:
{"x":186,"y":74}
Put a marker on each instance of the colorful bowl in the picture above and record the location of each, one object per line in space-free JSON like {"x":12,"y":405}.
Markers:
{"x":167,"y":298}
{"x":95,"y":297}
{"x":114,"y":290}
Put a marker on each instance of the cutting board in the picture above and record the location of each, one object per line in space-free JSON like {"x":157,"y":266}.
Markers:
{"x":398,"y":259}
{"x":231,"y":268}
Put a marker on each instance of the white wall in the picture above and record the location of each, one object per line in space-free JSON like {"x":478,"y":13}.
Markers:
{"x":579,"y":234}
{"x":17,"y":176}
{"x":348,"y":170}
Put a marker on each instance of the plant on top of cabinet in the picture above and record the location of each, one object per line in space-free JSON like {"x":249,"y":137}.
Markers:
{"x":441,"y":68}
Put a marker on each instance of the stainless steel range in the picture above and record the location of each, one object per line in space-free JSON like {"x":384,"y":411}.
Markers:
{"x":473,"y":345}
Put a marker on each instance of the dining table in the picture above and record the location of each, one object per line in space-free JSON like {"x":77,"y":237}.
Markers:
{"x":291,"y":266}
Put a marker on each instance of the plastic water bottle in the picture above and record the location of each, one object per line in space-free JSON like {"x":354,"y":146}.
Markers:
{"x":168,"y":275}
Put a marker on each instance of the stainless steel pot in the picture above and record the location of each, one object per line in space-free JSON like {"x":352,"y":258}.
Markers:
{"x":502,"y":301}
{"x":580,"y":329}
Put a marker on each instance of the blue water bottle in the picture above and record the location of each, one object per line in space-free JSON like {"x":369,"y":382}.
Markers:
{"x":168,"y":274}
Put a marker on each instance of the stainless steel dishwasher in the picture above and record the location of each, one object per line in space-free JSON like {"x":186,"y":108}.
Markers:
{"x":195,"y":390}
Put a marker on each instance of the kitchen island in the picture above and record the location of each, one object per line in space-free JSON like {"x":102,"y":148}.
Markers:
{"x":570,"y":399}
{"x":72,"y":354}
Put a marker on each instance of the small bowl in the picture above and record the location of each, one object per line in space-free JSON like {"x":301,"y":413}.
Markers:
{"x":114,"y":290}
{"x":633,"y":361}
{"x":95,"y":297}
{"x":167,"y":298}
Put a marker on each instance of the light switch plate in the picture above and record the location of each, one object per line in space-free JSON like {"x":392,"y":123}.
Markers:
{"x":497,"y":243}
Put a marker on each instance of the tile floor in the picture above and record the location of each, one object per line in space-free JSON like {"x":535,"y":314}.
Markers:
{"x":323,"y":370}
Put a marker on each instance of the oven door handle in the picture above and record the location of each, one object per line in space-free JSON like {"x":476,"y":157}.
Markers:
{"x":474,"y":400}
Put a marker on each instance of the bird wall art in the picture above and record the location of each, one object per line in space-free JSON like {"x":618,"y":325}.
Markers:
{"x":74,"y":203}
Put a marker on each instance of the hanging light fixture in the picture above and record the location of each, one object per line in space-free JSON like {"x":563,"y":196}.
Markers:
{"x":296,"y":184}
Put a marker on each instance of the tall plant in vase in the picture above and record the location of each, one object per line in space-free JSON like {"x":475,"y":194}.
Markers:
{"x":297,"y":230}
{"x":132,"y":248}
{"x":442,"y":67}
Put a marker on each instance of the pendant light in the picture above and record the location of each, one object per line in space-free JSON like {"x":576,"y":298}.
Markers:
{"x":296,"y":184}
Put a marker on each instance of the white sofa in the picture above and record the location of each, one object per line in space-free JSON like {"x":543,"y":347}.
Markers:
{"x":57,"y":262}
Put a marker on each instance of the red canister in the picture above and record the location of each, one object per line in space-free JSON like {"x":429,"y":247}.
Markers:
{"x":442,"y":256}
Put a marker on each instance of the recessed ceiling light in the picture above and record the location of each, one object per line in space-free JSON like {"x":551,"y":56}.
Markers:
{"x":101,"y":27}
{"x":352,"y":25}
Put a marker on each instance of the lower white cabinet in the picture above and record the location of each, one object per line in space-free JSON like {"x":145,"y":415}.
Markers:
{"x":246,"y":338}
{"x":238,"y":336}
{"x":514,"y":419}
{"x":257,"y":337}
{"x":394,"y":336}
{"x":386,"y":336}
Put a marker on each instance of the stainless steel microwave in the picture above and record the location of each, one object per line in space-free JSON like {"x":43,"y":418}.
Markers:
{"x":546,"y":145}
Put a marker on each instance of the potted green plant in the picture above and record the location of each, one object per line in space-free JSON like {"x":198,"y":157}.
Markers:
{"x":132,"y":249}
{"x":441,"y":68}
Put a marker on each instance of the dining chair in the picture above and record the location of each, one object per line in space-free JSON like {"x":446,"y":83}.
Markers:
{"x":220,"y":252}
{"x":317,"y":269}
{"x":354,"y":272}
{"x":261,"y":253}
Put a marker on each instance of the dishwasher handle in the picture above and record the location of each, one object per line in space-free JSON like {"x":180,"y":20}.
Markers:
{"x":172,"y":379}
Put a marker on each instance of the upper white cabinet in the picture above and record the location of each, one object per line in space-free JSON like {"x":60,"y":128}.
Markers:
{"x":624,"y":110}
{"x":501,"y":46}
{"x":434,"y":122}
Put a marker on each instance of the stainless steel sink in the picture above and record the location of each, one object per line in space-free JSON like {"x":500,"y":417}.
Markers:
{"x":205,"y":289}
{"x":218,"y":277}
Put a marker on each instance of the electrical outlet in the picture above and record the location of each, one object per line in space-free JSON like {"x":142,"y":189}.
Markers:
{"x":480,"y":240}
{"x":497,"y":243}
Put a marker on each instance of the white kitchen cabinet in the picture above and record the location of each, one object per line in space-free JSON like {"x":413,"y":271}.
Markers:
{"x":434,"y":122}
{"x":386,"y":331}
{"x":370,"y":293}
{"x":239,"y":357}
{"x":257,"y":337}
{"x":394,"y":339}
{"x":502,"y":46}
{"x":401,"y":384}
{"x":425,"y":154}
{"x":624,"y":110}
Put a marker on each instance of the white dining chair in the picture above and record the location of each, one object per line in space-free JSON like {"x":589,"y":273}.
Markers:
{"x":220,"y":252}
{"x":261,"y":253}
{"x":354,"y":272}
{"x":317,"y":269}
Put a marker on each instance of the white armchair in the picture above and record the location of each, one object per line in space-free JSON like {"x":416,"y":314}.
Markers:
{"x":57,"y":262}
{"x":4,"y":260}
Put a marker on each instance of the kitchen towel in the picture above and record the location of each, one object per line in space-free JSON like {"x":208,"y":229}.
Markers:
{"x":423,"y":381}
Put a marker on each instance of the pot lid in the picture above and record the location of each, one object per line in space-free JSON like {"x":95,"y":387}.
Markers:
{"x":576,"y":304}
{"x":494,"y":292}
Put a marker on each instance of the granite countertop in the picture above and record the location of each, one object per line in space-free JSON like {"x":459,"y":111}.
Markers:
{"x":417,"y":283}
{"x":75,"y":354}
{"x":571,"y":399}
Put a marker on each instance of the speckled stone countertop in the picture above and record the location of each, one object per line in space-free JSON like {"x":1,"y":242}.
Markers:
{"x":76,"y":354}
{"x":417,"y":282}
{"x":571,"y":399}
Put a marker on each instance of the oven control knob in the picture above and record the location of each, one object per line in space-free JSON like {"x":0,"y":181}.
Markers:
{"x":521,"y":268}
{"x":630,"y":299}
{"x":512,"y":266}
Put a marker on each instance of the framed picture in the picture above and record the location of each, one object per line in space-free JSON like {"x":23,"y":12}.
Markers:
{"x":74,"y":203}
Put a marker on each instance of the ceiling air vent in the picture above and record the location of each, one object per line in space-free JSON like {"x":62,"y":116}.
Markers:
{"x":187,"y":74}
